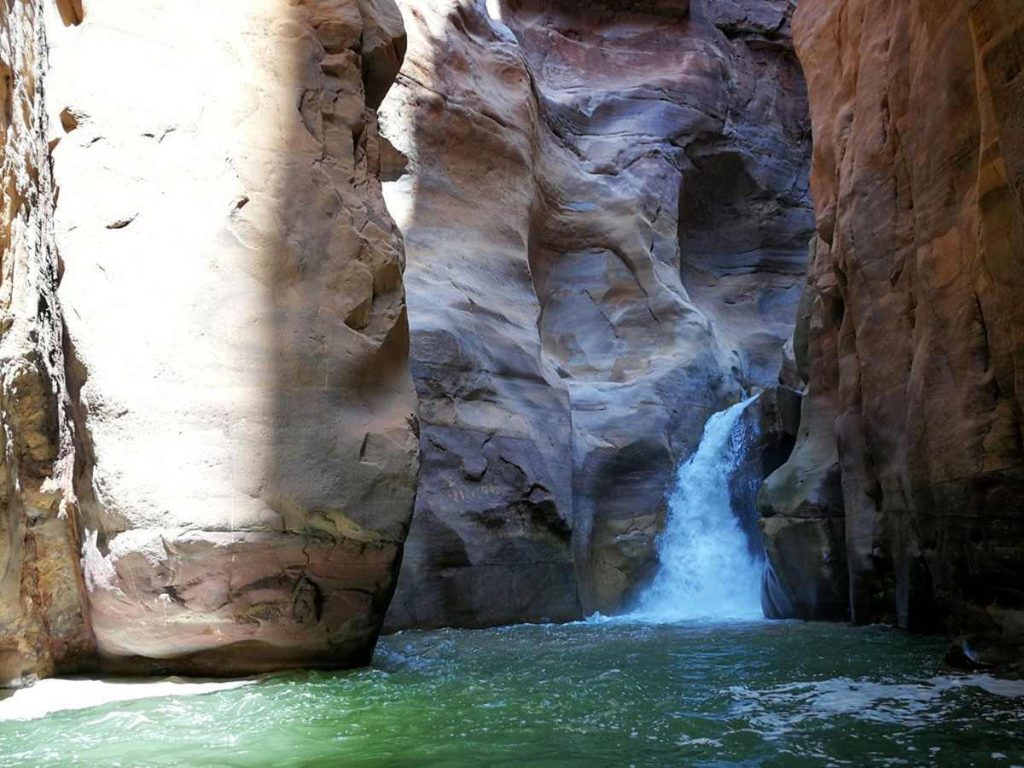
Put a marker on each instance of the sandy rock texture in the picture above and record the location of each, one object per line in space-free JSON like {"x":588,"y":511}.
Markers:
{"x":234,"y":342}
{"x":915,"y":353}
{"x":606,"y":215}
{"x":43,"y":616}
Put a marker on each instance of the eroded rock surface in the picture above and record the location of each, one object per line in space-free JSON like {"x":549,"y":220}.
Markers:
{"x":491,"y":535}
{"x":606,"y":218}
{"x":243,"y":461}
{"x":915,"y":352}
{"x":802,"y":503}
{"x":43,"y":618}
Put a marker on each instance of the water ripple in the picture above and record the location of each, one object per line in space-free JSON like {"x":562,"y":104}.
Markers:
{"x":608,"y":693}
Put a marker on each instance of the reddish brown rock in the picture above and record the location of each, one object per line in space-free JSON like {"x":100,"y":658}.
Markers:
{"x":916,"y":109}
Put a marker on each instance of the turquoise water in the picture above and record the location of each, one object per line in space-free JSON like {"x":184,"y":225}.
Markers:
{"x":596,"y":694}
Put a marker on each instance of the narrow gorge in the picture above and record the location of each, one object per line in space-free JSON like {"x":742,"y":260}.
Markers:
{"x":460,"y":382}
{"x":606,"y":218}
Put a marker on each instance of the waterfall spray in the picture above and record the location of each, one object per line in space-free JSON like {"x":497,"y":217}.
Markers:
{"x":705,"y":567}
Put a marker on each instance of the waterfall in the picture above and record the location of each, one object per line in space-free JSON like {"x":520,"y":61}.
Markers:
{"x":705,"y":566}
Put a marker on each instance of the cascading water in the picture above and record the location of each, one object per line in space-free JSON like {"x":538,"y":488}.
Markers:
{"x":705,"y":569}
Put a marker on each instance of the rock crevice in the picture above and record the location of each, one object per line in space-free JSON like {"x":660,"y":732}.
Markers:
{"x":914,"y":358}
{"x":586,"y":287}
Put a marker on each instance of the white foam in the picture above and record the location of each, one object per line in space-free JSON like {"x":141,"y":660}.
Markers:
{"x":784,"y":708}
{"x":705,"y":567}
{"x":60,"y":694}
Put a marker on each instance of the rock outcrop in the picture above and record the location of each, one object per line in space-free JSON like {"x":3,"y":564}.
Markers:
{"x":802,"y":503}
{"x":216,"y":404}
{"x":769,"y":426}
{"x":606,"y":215}
{"x":915,"y":354}
{"x":44,"y":623}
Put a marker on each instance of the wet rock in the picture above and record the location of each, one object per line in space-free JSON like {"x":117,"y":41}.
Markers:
{"x":769,"y":427}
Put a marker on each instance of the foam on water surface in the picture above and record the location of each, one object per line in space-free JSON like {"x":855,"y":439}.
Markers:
{"x":57,"y":695}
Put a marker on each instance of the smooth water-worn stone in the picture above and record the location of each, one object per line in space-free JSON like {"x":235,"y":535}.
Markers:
{"x":915,"y":353}
{"x":606,"y":214}
{"x":234,"y":451}
{"x":802,"y":502}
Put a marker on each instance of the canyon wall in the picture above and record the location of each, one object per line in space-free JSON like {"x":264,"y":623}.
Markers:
{"x":914,"y":346}
{"x":214,"y":411}
{"x":44,"y":623}
{"x":606,"y":214}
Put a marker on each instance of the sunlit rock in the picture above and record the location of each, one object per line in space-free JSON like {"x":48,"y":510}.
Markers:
{"x":43,"y":621}
{"x":234,"y":450}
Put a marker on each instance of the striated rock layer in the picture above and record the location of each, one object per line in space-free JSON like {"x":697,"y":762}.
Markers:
{"x":606,"y":214}
{"x":914,"y":347}
{"x":216,"y":404}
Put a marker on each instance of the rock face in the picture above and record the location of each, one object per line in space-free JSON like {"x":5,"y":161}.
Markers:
{"x":769,"y":425}
{"x":491,"y":535}
{"x":216,"y":404}
{"x":44,"y":623}
{"x":605,"y":215}
{"x":914,"y":351}
{"x":802,"y":503}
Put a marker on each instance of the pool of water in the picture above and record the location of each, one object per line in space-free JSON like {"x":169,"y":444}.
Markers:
{"x":595,"y":694}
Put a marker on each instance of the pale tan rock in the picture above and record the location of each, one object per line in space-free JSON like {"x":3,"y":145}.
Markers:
{"x":236,"y":333}
{"x":242,"y":337}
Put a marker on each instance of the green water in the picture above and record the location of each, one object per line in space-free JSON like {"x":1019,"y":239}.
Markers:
{"x":612,"y":694}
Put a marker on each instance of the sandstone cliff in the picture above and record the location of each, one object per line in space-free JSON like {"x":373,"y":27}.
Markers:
{"x":44,"y":623}
{"x":606,"y":214}
{"x":914,"y":351}
{"x":215,"y":406}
